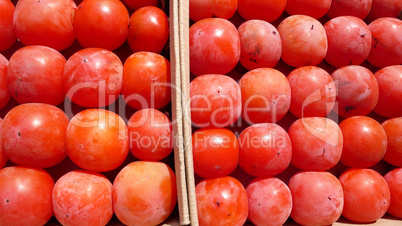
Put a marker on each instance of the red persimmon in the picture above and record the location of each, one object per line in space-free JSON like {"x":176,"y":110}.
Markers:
{"x":221,"y":201}
{"x":7,"y":35}
{"x":146,"y":81}
{"x":304,"y":41}
{"x":26,"y":196}
{"x":144,"y":193}
{"x":265,"y":94}
{"x":150,"y":135}
{"x":34,"y":135}
{"x":4,"y":93}
{"x":384,"y":8}
{"x":35,"y":75}
{"x":148,"y":30}
{"x":357,"y":91}
{"x":261,"y":9}
{"x":394,"y":181}
{"x":364,"y":141}
{"x":356,"y":8}
{"x":93,"y":77}
{"x":3,"y":158}
{"x":220,"y":143}
{"x":313,"y":8}
{"x":83,"y":198}
{"x":93,"y":26}
{"x":393,"y":129}
{"x":390,"y":91}
{"x":136,"y":4}
{"x":367,"y":195}
{"x":201,"y":9}
{"x":97,"y":140}
{"x":215,"y":101}
{"x":260,"y":44}
{"x":214,"y":46}
{"x":313,"y":92}
{"x":349,"y":41}
{"x":45,"y":22}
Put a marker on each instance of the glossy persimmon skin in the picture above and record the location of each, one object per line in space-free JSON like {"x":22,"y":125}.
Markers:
{"x":349,"y":41}
{"x":35,"y":75}
{"x":150,"y":133}
{"x":370,"y":201}
{"x":215,"y":101}
{"x":304,"y":42}
{"x":269,"y":201}
{"x":261,"y":45}
{"x":313,"y":8}
{"x":93,"y":26}
{"x":317,"y":198}
{"x":50,"y":24}
{"x":364,"y":142}
{"x":7,"y":36}
{"x":313,"y":92}
{"x":4,"y":92}
{"x":357,"y":91}
{"x":26,"y":195}
{"x":78,"y":189}
{"x":390,"y":91}
{"x":34,"y":135}
{"x":201,"y":9}
{"x":261,"y":9}
{"x":148,"y":30}
{"x":220,"y":143}
{"x":97,"y":140}
{"x":146,"y":81}
{"x":93,"y":77}
{"x":221,"y":201}
{"x":144,"y":193}
{"x":265,"y":95}
{"x":316,"y":143}
{"x":384,"y":8}
{"x":394,"y":181}
{"x":214,"y":46}
{"x":393,"y":129}
{"x":356,"y":8}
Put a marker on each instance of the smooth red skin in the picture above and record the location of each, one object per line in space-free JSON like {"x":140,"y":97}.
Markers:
{"x":201,"y":9}
{"x":349,"y":41}
{"x":394,"y":181}
{"x":313,"y":92}
{"x":304,"y":41}
{"x":366,"y":193}
{"x":215,"y":152}
{"x":356,"y":8}
{"x":148,"y":30}
{"x":136,"y":4}
{"x":313,"y":8}
{"x":50,"y":24}
{"x":265,"y":95}
{"x":214,"y":46}
{"x":93,"y":77}
{"x":386,"y":48}
{"x":221,"y":201}
{"x":390,"y":91}
{"x":35,"y":75}
{"x":3,"y":158}
{"x":97,"y":140}
{"x":357,"y":91}
{"x":265,"y":150}
{"x":316,"y":143}
{"x":384,"y":8}
{"x":261,"y":9}
{"x":26,"y":195}
{"x":393,"y":129}
{"x":317,"y":198}
{"x":33,"y":135}
{"x":144,"y":193}
{"x":261,"y":44}
{"x":146,"y":81}
{"x":215,"y":101}
{"x":269,"y":201}
{"x":7,"y":36}
{"x":83,"y":198}
{"x":93,"y":26}
{"x":364,"y":142}
{"x":150,"y":135}
{"x":4,"y":93}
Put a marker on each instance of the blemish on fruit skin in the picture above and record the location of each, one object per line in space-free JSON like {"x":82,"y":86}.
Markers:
{"x":312,"y":27}
{"x":19,"y":133}
{"x":7,"y":201}
{"x":217,"y":203}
